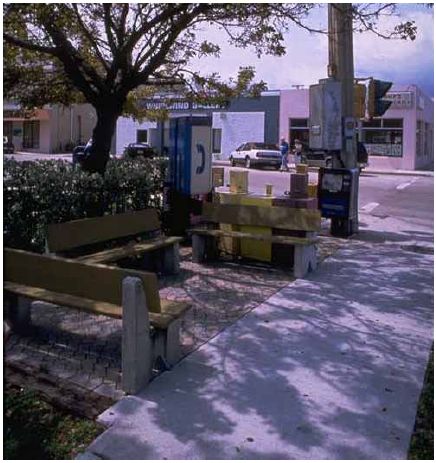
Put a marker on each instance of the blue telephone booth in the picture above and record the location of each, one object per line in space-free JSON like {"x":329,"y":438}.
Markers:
{"x":190,"y":155}
{"x":190,"y":171}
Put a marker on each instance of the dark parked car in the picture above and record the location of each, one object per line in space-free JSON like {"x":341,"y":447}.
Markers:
{"x":317,"y":158}
{"x":8,"y":146}
{"x":139,"y":149}
{"x":80,"y":152}
{"x":321,"y":158}
{"x":362,"y":156}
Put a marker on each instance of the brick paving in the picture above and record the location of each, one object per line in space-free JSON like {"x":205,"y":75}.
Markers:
{"x":86,"y":349}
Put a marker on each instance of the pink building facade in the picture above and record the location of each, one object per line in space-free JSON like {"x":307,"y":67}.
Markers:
{"x":402,"y":139}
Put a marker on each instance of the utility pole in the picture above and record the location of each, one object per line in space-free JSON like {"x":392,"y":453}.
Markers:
{"x":341,"y":68}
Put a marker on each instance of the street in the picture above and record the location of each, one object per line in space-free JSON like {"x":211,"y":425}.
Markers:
{"x":396,"y":196}
{"x":405,"y":197}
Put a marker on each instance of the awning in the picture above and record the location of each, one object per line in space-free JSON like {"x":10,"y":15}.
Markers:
{"x":20,"y":115}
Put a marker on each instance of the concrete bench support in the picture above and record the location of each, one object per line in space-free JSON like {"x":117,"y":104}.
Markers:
{"x":171,"y":258}
{"x":204,"y":248}
{"x":19,"y":313}
{"x":136,"y":344}
{"x":198,"y":248}
{"x":167,"y":343}
{"x":304,"y":258}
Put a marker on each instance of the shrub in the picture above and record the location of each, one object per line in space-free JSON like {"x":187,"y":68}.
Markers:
{"x":36,"y":194}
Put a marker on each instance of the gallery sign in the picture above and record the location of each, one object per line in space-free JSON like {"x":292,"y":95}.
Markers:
{"x":178,"y":105}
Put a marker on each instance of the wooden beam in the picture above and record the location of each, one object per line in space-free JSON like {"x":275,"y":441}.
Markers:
{"x":274,"y":217}
{"x":70,"y":235}
{"x":253,"y":236}
{"x":112,"y":255}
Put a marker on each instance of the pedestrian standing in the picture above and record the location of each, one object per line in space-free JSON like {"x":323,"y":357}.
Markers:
{"x":298,"y":151}
{"x":284,"y":150}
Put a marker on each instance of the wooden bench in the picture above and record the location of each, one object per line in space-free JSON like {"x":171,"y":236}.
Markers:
{"x":282,"y":220}
{"x":129,"y":295}
{"x":76,"y":238}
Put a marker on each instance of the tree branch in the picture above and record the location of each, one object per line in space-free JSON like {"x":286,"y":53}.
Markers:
{"x":29,"y":45}
{"x":89,"y":36}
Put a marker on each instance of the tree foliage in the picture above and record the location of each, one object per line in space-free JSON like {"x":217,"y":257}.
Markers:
{"x":109,"y":54}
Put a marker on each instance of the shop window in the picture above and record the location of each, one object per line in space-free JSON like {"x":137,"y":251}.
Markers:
{"x":381,"y":140}
{"x":31,"y":134}
{"x":141,"y":136}
{"x":216,"y":140}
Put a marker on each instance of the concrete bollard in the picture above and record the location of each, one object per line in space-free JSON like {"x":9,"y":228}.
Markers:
{"x":136,"y":344}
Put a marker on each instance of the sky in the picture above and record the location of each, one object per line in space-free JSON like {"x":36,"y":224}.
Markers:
{"x":398,"y":61}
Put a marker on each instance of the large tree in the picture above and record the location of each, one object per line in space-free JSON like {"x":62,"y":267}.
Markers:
{"x":104,"y":53}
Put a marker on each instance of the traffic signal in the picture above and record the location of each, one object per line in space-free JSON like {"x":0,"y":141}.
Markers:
{"x":377,"y":89}
{"x":359,"y":100}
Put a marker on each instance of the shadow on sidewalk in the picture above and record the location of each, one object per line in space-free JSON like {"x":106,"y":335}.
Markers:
{"x":330,"y":367}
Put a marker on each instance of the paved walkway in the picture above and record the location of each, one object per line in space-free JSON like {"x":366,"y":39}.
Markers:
{"x":328,"y":368}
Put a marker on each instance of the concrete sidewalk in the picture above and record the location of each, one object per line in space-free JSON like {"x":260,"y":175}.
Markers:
{"x":330,"y":367}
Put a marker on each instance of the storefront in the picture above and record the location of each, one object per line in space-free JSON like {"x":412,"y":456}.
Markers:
{"x":52,"y":129}
{"x":401,"y":139}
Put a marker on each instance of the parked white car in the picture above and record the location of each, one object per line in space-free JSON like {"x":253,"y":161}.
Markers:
{"x":254,"y":153}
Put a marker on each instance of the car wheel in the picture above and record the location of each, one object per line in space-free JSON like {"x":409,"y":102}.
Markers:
{"x":232,"y":162}
{"x":247,"y":162}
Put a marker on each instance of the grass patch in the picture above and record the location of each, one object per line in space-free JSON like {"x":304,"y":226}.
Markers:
{"x":35,"y":430}
{"x":422,"y":442}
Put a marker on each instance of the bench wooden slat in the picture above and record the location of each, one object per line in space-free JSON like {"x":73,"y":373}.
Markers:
{"x":70,"y":235}
{"x":171,"y":310}
{"x":87,"y":305}
{"x":97,"y":282}
{"x":274,"y":217}
{"x":259,"y":237}
{"x":112,"y":255}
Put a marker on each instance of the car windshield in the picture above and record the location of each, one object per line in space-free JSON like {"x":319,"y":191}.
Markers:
{"x":264,"y":146}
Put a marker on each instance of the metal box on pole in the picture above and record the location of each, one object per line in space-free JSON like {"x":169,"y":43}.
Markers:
{"x":325,"y":115}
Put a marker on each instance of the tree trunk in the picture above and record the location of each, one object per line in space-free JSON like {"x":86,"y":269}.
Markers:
{"x":102,"y":134}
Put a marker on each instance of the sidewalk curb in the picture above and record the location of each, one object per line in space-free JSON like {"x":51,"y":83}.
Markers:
{"x":414,"y":173}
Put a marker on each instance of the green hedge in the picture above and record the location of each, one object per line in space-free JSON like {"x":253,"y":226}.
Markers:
{"x":42,"y":192}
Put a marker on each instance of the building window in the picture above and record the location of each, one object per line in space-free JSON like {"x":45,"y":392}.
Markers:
{"x":216,"y":140}
{"x":79,"y":129}
{"x":298,"y":130}
{"x":141,"y":136}
{"x":419,"y":131}
{"x":383,"y":137}
{"x":31,"y":134}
